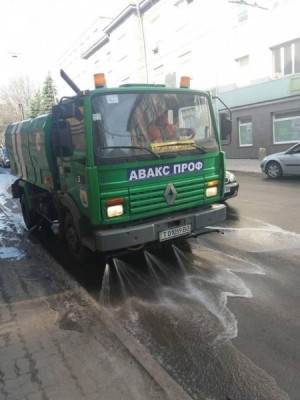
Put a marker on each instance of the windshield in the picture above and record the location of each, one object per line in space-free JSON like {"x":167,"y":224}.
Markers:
{"x":151,"y":124}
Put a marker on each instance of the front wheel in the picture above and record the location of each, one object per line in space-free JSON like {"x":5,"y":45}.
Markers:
{"x":29,"y":216}
{"x":274,"y":170}
{"x":77,"y":250}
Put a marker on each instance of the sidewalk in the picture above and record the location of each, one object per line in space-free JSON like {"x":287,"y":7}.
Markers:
{"x":57,"y":343}
{"x":243,"y":165}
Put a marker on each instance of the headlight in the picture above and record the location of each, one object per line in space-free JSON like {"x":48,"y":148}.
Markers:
{"x":115,"y":211}
{"x":231,"y":177}
{"x":211,"y":191}
{"x":115,"y":207}
{"x":212,"y":188}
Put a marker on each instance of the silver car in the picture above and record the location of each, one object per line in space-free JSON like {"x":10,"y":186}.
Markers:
{"x":283,"y":163}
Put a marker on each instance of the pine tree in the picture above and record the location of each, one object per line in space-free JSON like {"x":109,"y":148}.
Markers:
{"x":48,"y":95}
{"x":36,"y":105}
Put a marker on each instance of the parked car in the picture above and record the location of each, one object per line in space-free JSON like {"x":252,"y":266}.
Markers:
{"x":4,"y":161}
{"x":284,"y":163}
{"x":231,"y":186}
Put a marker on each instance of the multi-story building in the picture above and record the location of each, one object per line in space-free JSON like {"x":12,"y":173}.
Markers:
{"x":247,"y":53}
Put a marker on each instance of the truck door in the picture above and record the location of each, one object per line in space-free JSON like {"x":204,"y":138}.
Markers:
{"x":70,"y":147}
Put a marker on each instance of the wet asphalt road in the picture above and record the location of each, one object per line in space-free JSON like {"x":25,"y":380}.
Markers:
{"x":222,"y":319}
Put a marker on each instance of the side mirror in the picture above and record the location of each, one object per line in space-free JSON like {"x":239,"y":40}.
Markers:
{"x":66,"y":110}
{"x":63,"y":111}
{"x":225,"y":127}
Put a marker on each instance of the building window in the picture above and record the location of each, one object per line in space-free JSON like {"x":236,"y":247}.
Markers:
{"x":245,"y":132}
{"x":286,"y":58}
{"x":286,"y":127}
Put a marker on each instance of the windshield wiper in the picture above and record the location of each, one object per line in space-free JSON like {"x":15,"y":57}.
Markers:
{"x":131,"y":147}
{"x":199,"y":147}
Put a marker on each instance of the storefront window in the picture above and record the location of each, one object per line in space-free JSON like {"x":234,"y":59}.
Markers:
{"x":286,"y":127}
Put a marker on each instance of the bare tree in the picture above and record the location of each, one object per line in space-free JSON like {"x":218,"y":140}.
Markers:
{"x":15,"y":100}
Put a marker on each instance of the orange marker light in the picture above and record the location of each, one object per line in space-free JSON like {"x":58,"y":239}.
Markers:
{"x":99,"y":80}
{"x":212,"y":183}
{"x":117,"y":200}
{"x":185,"y":82}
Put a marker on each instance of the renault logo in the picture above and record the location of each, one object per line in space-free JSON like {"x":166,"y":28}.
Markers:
{"x":170,"y":194}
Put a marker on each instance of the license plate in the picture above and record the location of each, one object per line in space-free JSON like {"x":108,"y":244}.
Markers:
{"x":174,"y":232}
{"x":227,"y":190}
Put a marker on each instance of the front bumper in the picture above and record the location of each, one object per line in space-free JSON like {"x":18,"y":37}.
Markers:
{"x":263,"y":166}
{"x":131,"y":236}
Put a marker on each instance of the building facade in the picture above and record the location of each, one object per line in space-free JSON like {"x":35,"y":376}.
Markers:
{"x":248,"y":55}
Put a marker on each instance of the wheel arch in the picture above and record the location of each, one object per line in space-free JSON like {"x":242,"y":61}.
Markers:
{"x":20,"y":187}
{"x":68,"y":204}
{"x":273,"y":161}
{"x":276,"y":162}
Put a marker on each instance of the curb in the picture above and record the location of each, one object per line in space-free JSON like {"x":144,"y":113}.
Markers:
{"x":244,"y":172}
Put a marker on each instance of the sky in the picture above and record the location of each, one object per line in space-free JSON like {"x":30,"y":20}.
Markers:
{"x":35,"y":33}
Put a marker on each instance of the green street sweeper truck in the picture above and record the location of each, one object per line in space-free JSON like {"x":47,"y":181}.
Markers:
{"x":123,"y":167}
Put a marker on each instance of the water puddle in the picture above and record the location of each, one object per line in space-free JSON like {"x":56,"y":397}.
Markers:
{"x":10,"y":243}
{"x":9,"y":253}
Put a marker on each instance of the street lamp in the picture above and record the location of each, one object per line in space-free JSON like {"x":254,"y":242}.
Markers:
{"x":22,"y":109}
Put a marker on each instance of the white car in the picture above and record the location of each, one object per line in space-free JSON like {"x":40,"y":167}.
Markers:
{"x":231,"y":186}
{"x":284,"y":163}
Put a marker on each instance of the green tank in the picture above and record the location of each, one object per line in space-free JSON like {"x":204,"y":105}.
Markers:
{"x":29,"y":145}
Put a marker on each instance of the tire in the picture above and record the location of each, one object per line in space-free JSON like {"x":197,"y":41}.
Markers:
{"x":29,"y":216}
{"x":72,"y":237}
{"x":274,"y":170}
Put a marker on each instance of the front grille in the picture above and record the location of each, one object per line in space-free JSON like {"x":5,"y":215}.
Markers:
{"x":147,"y":200}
